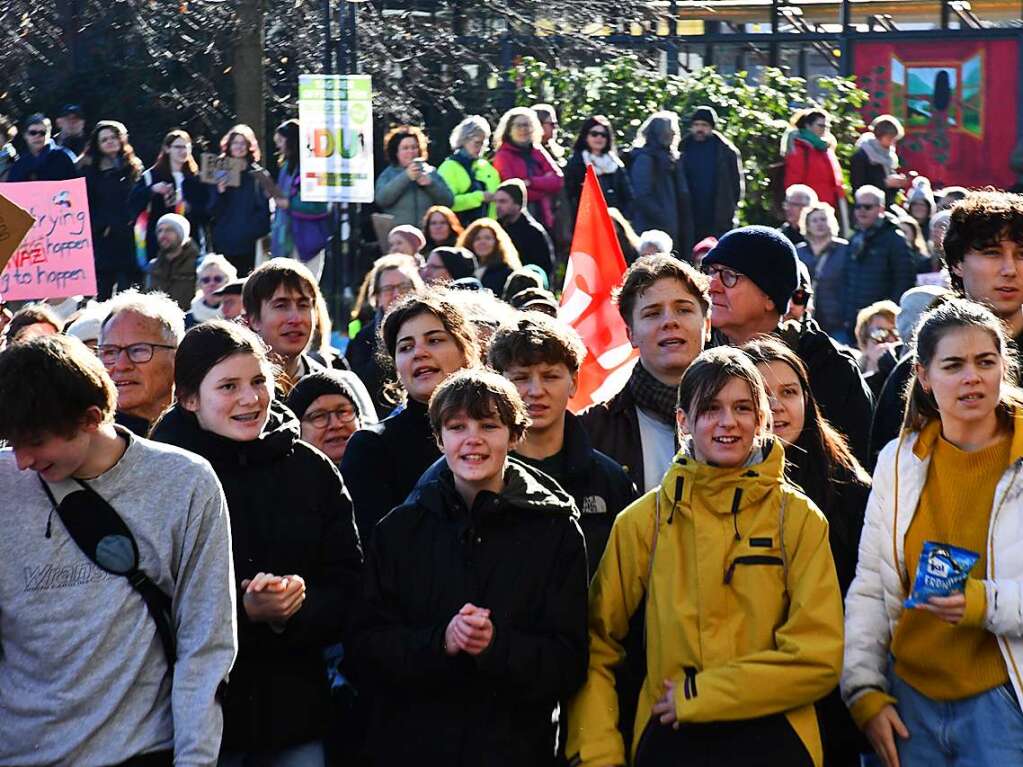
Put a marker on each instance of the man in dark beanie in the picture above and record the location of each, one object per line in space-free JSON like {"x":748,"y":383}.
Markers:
{"x":527,"y":234}
{"x":713,"y":170}
{"x":753,"y":275}
{"x":329,"y":411}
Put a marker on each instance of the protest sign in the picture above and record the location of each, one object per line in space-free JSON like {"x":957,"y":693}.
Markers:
{"x":54,"y":260}
{"x":14,"y":225}
{"x":214,"y":169}
{"x":335,"y":114}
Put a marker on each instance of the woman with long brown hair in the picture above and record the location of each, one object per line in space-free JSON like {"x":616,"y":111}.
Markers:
{"x":441,"y":227}
{"x":486,"y":239}
{"x":240,"y":216}
{"x":171,"y":185}
{"x":111,"y":171}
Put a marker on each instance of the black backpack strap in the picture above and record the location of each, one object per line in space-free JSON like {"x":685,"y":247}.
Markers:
{"x":102,"y":535}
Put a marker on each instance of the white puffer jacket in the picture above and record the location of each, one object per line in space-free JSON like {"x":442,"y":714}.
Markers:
{"x":874,"y":602}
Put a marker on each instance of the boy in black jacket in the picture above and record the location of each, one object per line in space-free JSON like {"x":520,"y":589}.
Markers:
{"x":541,"y":356}
{"x":473,"y":624}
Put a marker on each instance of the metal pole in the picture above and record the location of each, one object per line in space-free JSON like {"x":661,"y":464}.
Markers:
{"x":349,"y":240}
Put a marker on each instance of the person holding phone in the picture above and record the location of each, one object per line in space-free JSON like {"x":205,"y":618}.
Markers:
{"x":409,"y":185}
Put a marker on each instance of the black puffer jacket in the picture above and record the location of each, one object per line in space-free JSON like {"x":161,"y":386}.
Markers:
{"x":598,"y":485}
{"x":613,"y":429}
{"x":290,"y":514}
{"x":519,"y":554}
{"x":383,"y":462}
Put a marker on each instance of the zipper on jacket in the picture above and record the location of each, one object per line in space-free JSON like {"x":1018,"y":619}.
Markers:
{"x":751,"y":559}
{"x":735,"y":513}
{"x":689,"y":685}
{"x":679,"y":484}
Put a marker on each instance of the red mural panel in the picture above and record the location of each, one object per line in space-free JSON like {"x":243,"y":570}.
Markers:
{"x":957,"y":100}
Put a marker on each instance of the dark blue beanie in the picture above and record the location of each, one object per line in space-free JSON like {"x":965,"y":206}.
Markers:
{"x":764,"y":255}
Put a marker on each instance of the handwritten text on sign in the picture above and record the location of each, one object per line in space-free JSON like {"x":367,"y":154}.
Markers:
{"x":55,"y":258}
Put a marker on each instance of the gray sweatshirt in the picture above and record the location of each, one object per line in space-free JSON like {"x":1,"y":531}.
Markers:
{"x":83,"y":677}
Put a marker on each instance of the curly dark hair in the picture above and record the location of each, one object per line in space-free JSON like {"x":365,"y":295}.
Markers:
{"x":981,"y":219}
{"x":397,"y":134}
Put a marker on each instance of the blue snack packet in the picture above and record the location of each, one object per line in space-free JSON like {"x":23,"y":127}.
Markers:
{"x":941,"y":572}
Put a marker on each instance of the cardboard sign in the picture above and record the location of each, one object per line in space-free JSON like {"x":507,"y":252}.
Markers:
{"x":14,"y":225}
{"x":54,"y":260}
{"x":215,"y":169}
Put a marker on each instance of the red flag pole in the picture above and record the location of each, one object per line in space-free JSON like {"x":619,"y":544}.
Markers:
{"x":595,"y":268}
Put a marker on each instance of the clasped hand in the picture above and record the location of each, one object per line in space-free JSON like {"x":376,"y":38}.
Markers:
{"x":272,"y":598}
{"x":470,"y":631}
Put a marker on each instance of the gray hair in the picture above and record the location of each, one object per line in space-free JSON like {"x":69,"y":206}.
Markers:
{"x":211,"y":260}
{"x":471,"y":126}
{"x":660,"y":240}
{"x":155,"y":306}
{"x":870,"y":190}
{"x":803,"y":189}
{"x":655,"y":128}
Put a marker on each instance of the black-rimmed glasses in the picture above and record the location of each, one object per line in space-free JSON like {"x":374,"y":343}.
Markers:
{"x":728,"y":277}
{"x":321,"y":418}
{"x":138,"y":353}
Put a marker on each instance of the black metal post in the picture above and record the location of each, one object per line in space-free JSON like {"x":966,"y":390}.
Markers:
{"x":671,"y":49}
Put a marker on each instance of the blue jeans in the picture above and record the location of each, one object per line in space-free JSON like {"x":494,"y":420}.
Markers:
{"x":307,"y":755}
{"x":983,"y":731}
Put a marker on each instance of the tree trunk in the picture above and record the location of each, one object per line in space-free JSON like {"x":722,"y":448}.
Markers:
{"x":248,"y":71}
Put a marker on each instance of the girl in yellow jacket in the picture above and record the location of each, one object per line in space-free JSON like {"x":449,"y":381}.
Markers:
{"x":743,"y":626}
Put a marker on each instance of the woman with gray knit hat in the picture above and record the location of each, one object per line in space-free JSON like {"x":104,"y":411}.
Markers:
{"x":752,"y":274}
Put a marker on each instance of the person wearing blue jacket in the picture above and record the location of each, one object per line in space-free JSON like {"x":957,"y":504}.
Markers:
{"x":240,"y":215}
{"x":659,"y":186}
{"x":42,"y":159}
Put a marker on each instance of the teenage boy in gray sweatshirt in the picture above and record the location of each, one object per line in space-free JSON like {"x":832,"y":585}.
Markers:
{"x":84,"y":679}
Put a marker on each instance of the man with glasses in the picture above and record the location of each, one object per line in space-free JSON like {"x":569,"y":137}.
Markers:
{"x":328,"y":410}
{"x":797,"y":198}
{"x":42,"y":160}
{"x":880,"y":264}
{"x":753,"y":275}
{"x":713,"y":168}
{"x":173,"y":270}
{"x":136,"y":345}
{"x":527,"y":234}
{"x":84,"y":675}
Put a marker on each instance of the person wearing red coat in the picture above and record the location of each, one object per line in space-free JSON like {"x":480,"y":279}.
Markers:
{"x":520,"y":155}
{"x":809,"y":151}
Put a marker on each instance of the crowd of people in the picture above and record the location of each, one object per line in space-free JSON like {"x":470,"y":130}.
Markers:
{"x":230,"y":544}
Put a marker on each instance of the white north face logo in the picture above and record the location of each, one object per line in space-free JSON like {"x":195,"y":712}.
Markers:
{"x":593,"y":504}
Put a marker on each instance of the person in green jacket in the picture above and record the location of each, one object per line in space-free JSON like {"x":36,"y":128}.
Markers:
{"x":471,"y":178}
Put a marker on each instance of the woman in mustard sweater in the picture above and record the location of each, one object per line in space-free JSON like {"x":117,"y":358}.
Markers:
{"x":743,"y":619}
{"x":940,"y":684}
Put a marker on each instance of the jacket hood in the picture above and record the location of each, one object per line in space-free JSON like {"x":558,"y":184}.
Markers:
{"x":526,"y":489}
{"x":724,"y":490}
{"x":181,"y":428}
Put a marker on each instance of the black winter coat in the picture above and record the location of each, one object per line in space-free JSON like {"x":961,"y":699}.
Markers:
{"x":728,"y":191}
{"x":521,"y":555}
{"x":290,"y":514}
{"x":617,"y":187}
{"x":880,"y":265}
{"x":863,"y":172}
{"x":599,"y":486}
{"x":113,"y":238}
{"x":613,"y":429}
{"x":195,"y":193}
{"x":361,"y":358}
{"x":384,"y":461}
{"x":532,"y":242}
{"x":51,"y":164}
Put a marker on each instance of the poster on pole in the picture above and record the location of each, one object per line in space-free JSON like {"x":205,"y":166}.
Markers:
{"x":54,"y":260}
{"x":335,"y":114}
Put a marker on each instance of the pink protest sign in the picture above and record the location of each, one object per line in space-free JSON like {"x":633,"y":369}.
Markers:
{"x":55,"y":258}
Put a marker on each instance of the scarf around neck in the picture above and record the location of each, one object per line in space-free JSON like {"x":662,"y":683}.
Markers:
{"x":812,"y":139}
{"x":656,"y":398}
{"x":603,"y":164}
{"x":877,"y":154}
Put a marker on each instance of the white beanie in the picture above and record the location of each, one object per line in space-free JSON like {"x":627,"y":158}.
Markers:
{"x":177,"y":221}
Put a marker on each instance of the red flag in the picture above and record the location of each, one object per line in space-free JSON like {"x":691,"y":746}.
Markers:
{"x":595,"y":267}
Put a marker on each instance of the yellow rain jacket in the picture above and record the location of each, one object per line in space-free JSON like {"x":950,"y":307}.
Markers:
{"x":744,"y":611}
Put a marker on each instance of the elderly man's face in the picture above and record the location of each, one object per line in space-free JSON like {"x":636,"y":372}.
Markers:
{"x":868,"y":210}
{"x":793,"y":206}
{"x":143,"y":388}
